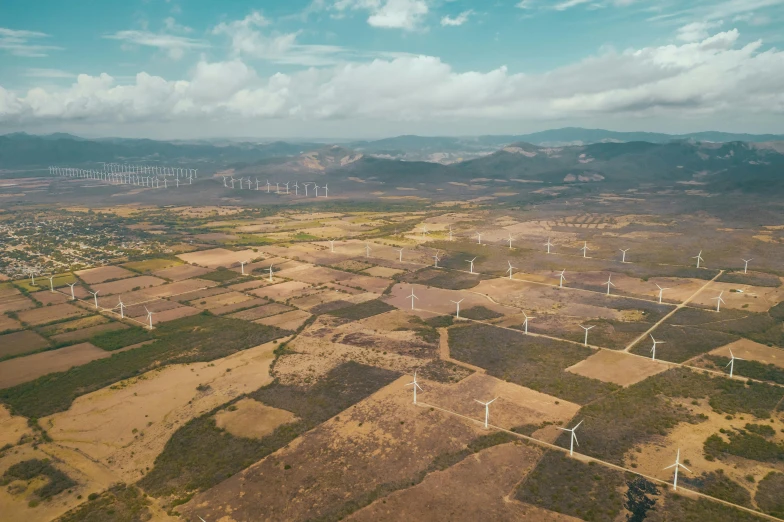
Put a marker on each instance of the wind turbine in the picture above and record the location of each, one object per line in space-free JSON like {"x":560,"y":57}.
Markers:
{"x":472,"y":264}
{"x":450,"y":232}
{"x":32,"y":277}
{"x":296,"y":189}
{"x":332,"y":245}
{"x":73,"y":297}
{"x":560,"y":285}
{"x":525,"y":324}
{"x":661,"y":292}
{"x":623,"y":259}
{"x":416,"y":385}
{"x":586,"y":328}
{"x":572,"y":438}
{"x":676,"y":466}
{"x":149,"y":316}
{"x":487,"y":408}
{"x":95,"y":297}
{"x":268,"y":186}
{"x":548,"y":245}
{"x":719,"y":300}
{"x":746,"y":264}
{"x":400,"y":254}
{"x":242,"y":266}
{"x":326,"y":190}
{"x":457,"y":315}
{"x":609,"y":283}
{"x":510,"y":269}
{"x":436,"y":258}
{"x":653,"y":350}
{"x":699,"y":258}
{"x":122,"y":308}
{"x":51,"y":283}
{"x":367,"y":250}
{"x":510,"y":241}
{"x":479,"y":238}
{"x":412,"y":296}
{"x":585,"y":249}
{"x":270,"y":273}
{"x":731,"y":364}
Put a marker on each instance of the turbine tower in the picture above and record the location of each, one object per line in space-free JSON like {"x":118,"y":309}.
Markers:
{"x":51,"y":283}
{"x":450,"y":232}
{"x":73,"y":297}
{"x":436,"y":259}
{"x":242,"y":266}
{"x":367,"y":250}
{"x":661,"y":292}
{"x":746,"y":264}
{"x":400,"y":254}
{"x":471,"y":271}
{"x":510,"y":241}
{"x":149,"y":317}
{"x":699,"y":258}
{"x":525,"y":324}
{"x":585,"y":249}
{"x":487,"y":409}
{"x":270,"y":273}
{"x":479,"y":238}
{"x":609,"y":283}
{"x":653,"y":350}
{"x":416,"y":385}
{"x":623,"y":259}
{"x":731,"y":364}
{"x":510,"y":269}
{"x":676,"y":466}
{"x":586,"y":328}
{"x":122,"y":308}
{"x":719,"y":300}
{"x":457,"y":315}
{"x":332,"y":245}
{"x":412,"y":296}
{"x":560,"y":285}
{"x":95,"y":297}
{"x":572,"y":438}
{"x":548,"y":245}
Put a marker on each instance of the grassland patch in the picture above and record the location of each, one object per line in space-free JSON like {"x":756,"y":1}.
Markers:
{"x":28,"y":470}
{"x":362,"y":310}
{"x":717,"y":484}
{"x":770,"y":494}
{"x":119,"y":503}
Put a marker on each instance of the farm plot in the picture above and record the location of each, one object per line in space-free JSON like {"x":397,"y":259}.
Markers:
{"x":249,"y":285}
{"x":127,"y":285}
{"x":751,"y":351}
{"x":217,"y":257}
{"x":220,"y":300}
{"x":286,"y":321}
{"x":181,"y":272}
{"x":101,"y":274}
{"x":252,"y":419}
{"x":439,"y":301}
{"x":448,"y":280}
{"x":229,"y":308}
{"x":19,"y":343}
{"x":8,"y":323}
{"x":152,"y":265}
{"x":179,"y":288}
{"x":56,"y":297}
{"x":281,"y":291}
{"x":49,"y":314}
{"x":201,"y":294}
{"x":261,"y":312}
{"x":30,"y":367}
{"x":740,"y":297}
{"x":395,"y":332}
{"x":319,"y":275}
{"x":12,"y":428}
{"x":88,"y":332}
{"x":411,"y":438}
{"x":616,"y":367}
{"x":126,"y":426}
{"x":15,"y":303}
{"x":382,"y":271}
{"x":320,"y":297}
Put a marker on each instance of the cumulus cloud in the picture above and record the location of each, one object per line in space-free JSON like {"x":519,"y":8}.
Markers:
{"x":389,"y":14}
{"x":24,"y":43}
{"x":696,"y":30}
{"x":457,"y":20}
{"x":715,"y":75}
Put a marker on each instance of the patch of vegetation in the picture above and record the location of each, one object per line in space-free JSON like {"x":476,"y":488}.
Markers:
{"x":566,"y":485}
{"x":363,"y":310}
{"x":718,"y":485}
{"x":480,"y":313}
{"x":770,"y":494}
{"x":535,"y":362}
{"x":677,"y":507}
{"x":751,"y":369}
{"x":639,"y":498}
{"x":331,"y":306}
{"x":761,"y":429}
{"x":440,"y":321}
{"x":777,"y":312}
{"x":683,"y":343}
{"x":743,"y":444}
{"x":30,"y":469}
{"x":763,"y":328}
{"x":449,"y":280}
{"x":755,"y":279}
{"x":646,"y":410}
{"x":151,"y":265}
{"x":199,"y":454}
{"x":222,"y":275}
{"x":119,"y":503}
{"x":116,"y":339}
{"x":443,"y":371}
{"x":198,"y":338}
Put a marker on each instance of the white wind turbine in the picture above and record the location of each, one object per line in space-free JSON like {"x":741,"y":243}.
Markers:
{"x":367,"y":250}
{"x":479,"y":238}
{"x":548,"y":245}
{"x":623,"y":259}
{"x":416,"y":385}
{"x":51,"y":283}
{"x":122,"y":308}
{"x":73,"y":297}
{"x":719,"y":300}
{"x":242,"y":266}
{"x":412,"y":297}
{"x":450,"y":232}
{"x":510,"y":269}
{"x":270,"y":273}
{"x":95,"y":297}
{"x":400,"y":254}
{"x":510,"y":241}
{"x":471,"y":271}
{"x":572,"y":438}
{"x":586,"y":328}
{"x":149,"y":317}
{"x":332,"y":245}
{"x":731,"y":364}
{"x":487,"y":409}
{"x":585,"y":249}
{"x":661,"y":292}
{"x":609,"y":283}
{"x":457,"y":314}
{"x":32,"y":277}
{"x":525,"y":324}
{"x":676,"y":466}
{"x":326,"y":190}
{"x":560,"y":284}
{"x":653,"y":350}
{"x":699,"y":258}
{"x":746,"y":264}
{"x":436,"y":259}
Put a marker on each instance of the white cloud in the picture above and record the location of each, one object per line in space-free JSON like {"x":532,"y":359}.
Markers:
{"x":175,"y":46}
{"x":33,"y":72}
{"x":458,"y":20}
{"x":171,"y":25}
{"x":18,"y":43}
{"x":408,"y":15}
{"x":715,"y":77}
{"x":696,"y":30}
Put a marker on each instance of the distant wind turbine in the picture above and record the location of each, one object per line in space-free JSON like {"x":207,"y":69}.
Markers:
{"x":676,"y":466}
{"x":270,"y":273}
{"x":623,"y":259}
{"x":149,"y":316}
{"x":585,"y":249}
{"x":400,"y":254}
{"x":609,"y":283}
{"x":332,"y":245}
{"x":510,"y":269}
{"x":457,"y":314}
{"x":572,"y":438}
{"x":746,"y":264}
{"x":51,"y":283}
{"x":699,"y":258}
{"x":73,"y":297}
{"x":731,"y":364}
{"x":479,"y":238}
{"x":661,"y":292}
{"x":242,"y":266}
{"x":653,"y":350}
{"x":367,"y":250}
{"x":412,"y":296}
{"x":95,"y":297}
{"x":416,"y":385}
{"x":560,"y":284}
{"x":525,"y":324}
{"x":487,"y":409}
{"x":586,"y":328}
{"x":548,"y":245}
{"x":435,"y":259}
{"x":510,"y":241}
{"x":719,"y":300}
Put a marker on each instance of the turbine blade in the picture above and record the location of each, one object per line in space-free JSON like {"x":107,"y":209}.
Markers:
{"x":671,"y":466}
{"x":578,"y":425}
{"x":684,"y":467}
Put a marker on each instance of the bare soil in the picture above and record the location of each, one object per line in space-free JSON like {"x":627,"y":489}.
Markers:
{"x":181,"y":272}
{"x":252,"y":419}
{"x":126,"y":285}
{"x":217,"y":257}
{"x":93,"y":276}
{"x":21,"y":342}
{"x":48,"y":314}
{"x":287,"y":321}
{"x":618,"y":367}
{"x":281,"y":291}
{"x":12,"y":428}
{"x":751,"y":351}
{"x":30,"y":367}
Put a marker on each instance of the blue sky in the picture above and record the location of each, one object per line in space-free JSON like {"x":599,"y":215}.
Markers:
{"x":355,"y":68}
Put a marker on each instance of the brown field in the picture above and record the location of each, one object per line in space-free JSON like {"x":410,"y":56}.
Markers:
{"x":53,"y":297}
{"x":201,"y":294}
{"x":618,"y":367}
{"x":127,"y":285}
{"x":7,"y":289}
{"x":76,"y":324}
{"x":261,"y":312}
{"x":319,"y":297}
{"x":752,"y":298}
{"x":319,"y":275}
{"x":174,"y":313}
{"x":287,"y":321}
{"x":87,"y":333}
{"x":21,"y":342}
{"x":217,"y":257}
{"x":382,"y":271}
{"x":229,"y":308}
{"x":382,"y":439}
{"x":101,"y":424}
{"x":477,"y":488}
{"x":15,"y":303}
{"x":12,"y":428}
{"x":48,"y":314}
{"x":180,"y":272}
{"x":215,"y":236}
{"x":215,"y":301}
{"x":438,"y":300}
{"x":370,"y":284}
{"x":751,"y":351}
{"x":280,"y":291}
{"x":249,"y":285}
{"x":7,"y":323}
{"x":93,"y":276}
{"x":252,"y":419}
{"x":30,"y":367}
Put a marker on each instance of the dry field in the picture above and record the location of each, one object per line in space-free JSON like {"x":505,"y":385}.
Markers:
{"x":48,"y":314}
{"x":12,"y":428}
{"x":8,"y":323}
{"x":180,"y":272}
{"x":751,"y":351}
{"x":127,"y":285}
{"x":125,"y":426}
{"x":53,"y":297}
{"x":287,"y":321}
{"x":249,"y":285}
{"x":252,"y":419}
{"x":93,"y":276}
{"x":30,"y":367}
{"x":217,"y":301}
{"x":201,"y":294}
{"x":314,"y":299}
{"x":21,"y":342}
{"x":178,"y":288}
{"x":620,"y":368}
{"x":382,"y":439}
{"x":752,"y":298}
{"x":88,"y":332}
{"x":229,"y":308}
{"x":15,"y":303}
{"x":260,"y":312}
{"x":439,"y":300}
{"x":382,"y":271}
{"x":77,"y":324}
{"x":217,"y":257}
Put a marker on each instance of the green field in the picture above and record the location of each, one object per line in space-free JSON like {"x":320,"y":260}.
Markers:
{"x":151,"y":265}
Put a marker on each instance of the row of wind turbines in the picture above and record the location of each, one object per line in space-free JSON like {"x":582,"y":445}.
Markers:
{"x":280,"y":188}
{"x":125,"y":178}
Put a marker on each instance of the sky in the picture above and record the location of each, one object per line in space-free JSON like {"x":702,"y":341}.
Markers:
{"x":363,"y":69}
